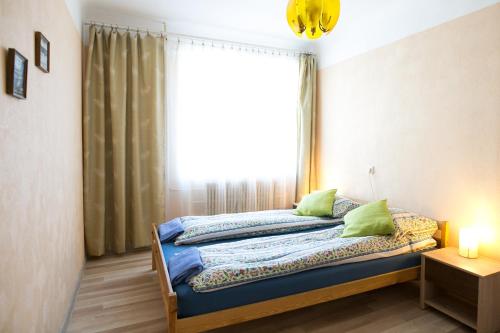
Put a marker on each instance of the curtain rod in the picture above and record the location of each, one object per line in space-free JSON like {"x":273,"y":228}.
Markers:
{"x":192,"y":39}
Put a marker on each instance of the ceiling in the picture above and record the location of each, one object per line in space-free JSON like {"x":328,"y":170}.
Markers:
{"x":251,"y":20}
{"x":363,"y":24}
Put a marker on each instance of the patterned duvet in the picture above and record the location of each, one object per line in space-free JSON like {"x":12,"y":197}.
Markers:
{"x":199,"y":229}
{"x":240,"y":262}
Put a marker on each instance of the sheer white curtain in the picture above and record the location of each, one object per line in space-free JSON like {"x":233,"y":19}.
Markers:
{"x":231,"y":130}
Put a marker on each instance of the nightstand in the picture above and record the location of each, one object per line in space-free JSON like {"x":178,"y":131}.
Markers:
{"x":465,"y":289}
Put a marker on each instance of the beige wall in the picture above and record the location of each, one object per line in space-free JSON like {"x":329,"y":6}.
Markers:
{"x":41,"y":228}
{"x":425,"y":111}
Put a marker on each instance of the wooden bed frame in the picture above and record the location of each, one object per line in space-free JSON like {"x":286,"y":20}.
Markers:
{"x":231,"y":316}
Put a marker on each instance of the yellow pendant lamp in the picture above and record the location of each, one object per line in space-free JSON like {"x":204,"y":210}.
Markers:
{"x":314,"y":17}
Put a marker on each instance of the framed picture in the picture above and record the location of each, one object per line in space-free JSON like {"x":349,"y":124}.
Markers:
{"x":42,"y":52}
{"x":17,"y":74}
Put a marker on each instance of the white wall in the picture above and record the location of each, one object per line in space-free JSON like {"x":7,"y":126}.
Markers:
{"x":41,"y":185}
{"x":75,"y":11}
{"x":366,"y":24}
{"x":425,"y":111}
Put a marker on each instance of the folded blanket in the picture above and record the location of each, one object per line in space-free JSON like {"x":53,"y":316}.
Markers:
{"x":200,"y":229}
{"x":169,"y":231}
{"x":184,"y":265}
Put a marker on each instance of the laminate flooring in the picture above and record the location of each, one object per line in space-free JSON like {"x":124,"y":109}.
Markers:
{"x":122,"y":294}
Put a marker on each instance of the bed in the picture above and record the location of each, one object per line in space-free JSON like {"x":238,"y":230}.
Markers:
{"x":189,"y":311}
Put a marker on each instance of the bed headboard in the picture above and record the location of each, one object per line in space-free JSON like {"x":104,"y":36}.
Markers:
{"x":441,"y":235}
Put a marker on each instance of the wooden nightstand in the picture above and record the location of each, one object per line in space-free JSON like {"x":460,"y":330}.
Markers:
{"x":465,"y":289}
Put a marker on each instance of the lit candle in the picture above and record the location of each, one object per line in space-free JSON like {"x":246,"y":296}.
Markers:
{"x":468,"y":243}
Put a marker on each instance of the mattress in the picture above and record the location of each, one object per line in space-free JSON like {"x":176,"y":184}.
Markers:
{"x":192,"y":303}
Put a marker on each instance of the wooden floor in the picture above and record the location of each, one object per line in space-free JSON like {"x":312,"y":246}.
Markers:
{"x":122,"y":294}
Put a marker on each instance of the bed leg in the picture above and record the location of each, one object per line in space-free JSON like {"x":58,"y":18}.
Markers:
{"x":172,"y":314}
{"x":153,"y":261}
{"x":153,"y":247}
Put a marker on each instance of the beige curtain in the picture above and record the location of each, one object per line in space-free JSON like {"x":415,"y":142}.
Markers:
{"x":124,"y":93}
{"x":306,"y":167}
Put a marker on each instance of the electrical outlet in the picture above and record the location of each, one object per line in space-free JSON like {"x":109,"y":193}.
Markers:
{"x":371,"y":170}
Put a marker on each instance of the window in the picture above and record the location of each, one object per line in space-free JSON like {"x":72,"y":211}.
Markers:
{"x":232,"y":119}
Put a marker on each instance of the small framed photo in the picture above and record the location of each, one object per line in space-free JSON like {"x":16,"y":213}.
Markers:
{"x":42,"y":52}
{"x":17,"y":74}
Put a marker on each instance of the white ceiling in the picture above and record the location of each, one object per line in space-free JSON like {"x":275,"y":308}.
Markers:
{"x":363,"y":24}
{"x":250,"y":21}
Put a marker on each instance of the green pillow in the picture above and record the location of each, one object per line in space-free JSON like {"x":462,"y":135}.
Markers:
{"x":369,"y":220}
{"x":317,"y":204}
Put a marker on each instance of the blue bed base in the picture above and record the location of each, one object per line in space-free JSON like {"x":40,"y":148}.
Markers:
{"x":192,"y":303}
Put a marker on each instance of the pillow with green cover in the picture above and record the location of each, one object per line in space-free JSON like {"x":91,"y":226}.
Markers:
{"x":318,"y":203}
{"x":369,"y":220}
